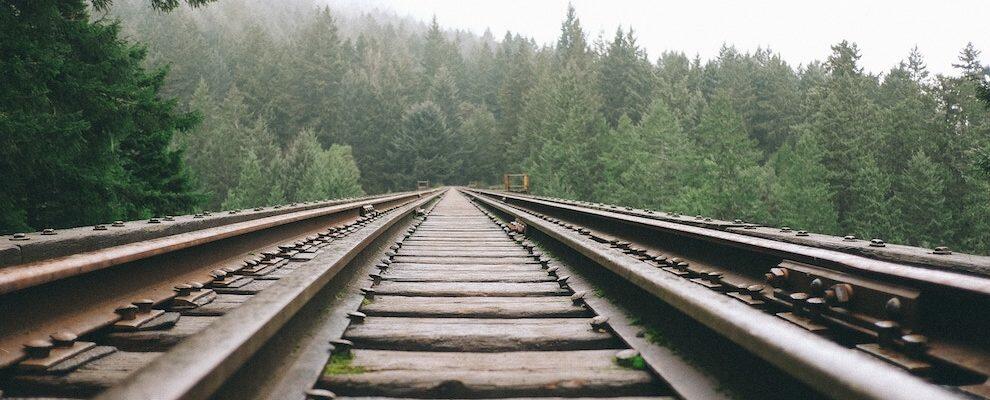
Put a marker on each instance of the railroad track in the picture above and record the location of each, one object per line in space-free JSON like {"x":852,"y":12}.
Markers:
{"x":464,"y":293}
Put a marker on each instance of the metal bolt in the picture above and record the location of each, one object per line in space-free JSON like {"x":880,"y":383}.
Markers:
{"x":713,"y":276}
{"x":48,"y":231}
{"x":797,"y":302}
{"x":785,"y":229}
{"x":626,"y":357}
{"x":777,"y":277}
{"x":942,"y":250}
{"x":382,"y":267}
{"x":356,"y":317}
{"x":127,"y":312}
{"x":544,"y":261}
{"x":849,"y":238}
{"x":553,"y":270}
{"x":816,"y":305}
{"x":341,"y":346}
{"x":817,"y":286}
{"x":170,"y":218}
{"x":63,"y":339}
{"x":892,"y":308}
{"x":154,"y":221}
{"x":183,"y":289}
{"x":914,"y":344}
{"x":38,"y":348}
{"x":117,"y":224}
{"x":877,"y":243}
{"x":599,"y":322}
{"x":562,"y":281}
{"x":319,"y":394}
{"x":755,"y":291}
{"x":801,"y":233}
{"x":144,"y":305}
{"x":218,"y":274}
{"x":19,"y":236}
{"x":375,"y":278}
{"x":100,"y":228}
{"x":578,"y":298}
{"x":368,"y":293}
{"x":886,"y":331}
{"x":841,"y":293}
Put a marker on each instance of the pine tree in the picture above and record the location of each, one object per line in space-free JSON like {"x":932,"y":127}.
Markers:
{"x":87,"y":137}
{"x":427,"y":149}
{"x":626,"y":79}
{"x":921,"y":202}
{"x":731,"y":164}
{"x":254,"y":186}
{"x":843,"y":115}
{"x":799,"y":192}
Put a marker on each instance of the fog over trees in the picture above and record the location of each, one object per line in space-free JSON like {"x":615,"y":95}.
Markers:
{"x":274,"y":102}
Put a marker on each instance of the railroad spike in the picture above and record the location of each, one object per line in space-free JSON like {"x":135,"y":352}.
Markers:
{"x":599,"y":322}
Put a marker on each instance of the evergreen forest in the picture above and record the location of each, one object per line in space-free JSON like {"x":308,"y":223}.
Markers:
{"x":140,"y":108}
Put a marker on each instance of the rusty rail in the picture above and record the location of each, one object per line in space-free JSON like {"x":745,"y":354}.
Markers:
{"x":678,"y":261}
{"x":80,"y":293}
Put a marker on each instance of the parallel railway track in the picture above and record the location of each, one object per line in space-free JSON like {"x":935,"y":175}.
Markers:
{"x":461,"y":293}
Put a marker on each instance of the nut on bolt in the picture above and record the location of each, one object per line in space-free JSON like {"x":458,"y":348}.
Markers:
{"x":127,"y":312}
{"x":356,"y":317}
{"x":38,"y":348}
{"x":63,"y":339}
{"x":578,"y":298}
{"x":626,"y":358}
{"x":599,"y":322}
{"x":341,"y":346}
{"x":942,"y":250}
{"x":777,"y":276}
{"x":320,"y":394}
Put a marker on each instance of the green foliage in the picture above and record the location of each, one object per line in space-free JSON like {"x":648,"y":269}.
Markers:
{"x":799,"y":194}
{"x":340,"y":364}
{"x":825,"y":147}
{"x":86,"y":134}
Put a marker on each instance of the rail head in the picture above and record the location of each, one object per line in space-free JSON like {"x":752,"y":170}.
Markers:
{"x":756,"y":240}
{"x":43,"y":258}
{"x":822,"y":364}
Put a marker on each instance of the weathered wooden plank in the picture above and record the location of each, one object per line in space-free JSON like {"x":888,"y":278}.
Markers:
{"x":477,"y":334}
{"x":446,"y":252}
{"x":461,"y":260}
{"x":468,"y":276}
{"x":417,"y":374}
{"x":86,"y":381}
{"x":474,"y":307}
{"x":470,"y":289}
{"x":466,"y":267}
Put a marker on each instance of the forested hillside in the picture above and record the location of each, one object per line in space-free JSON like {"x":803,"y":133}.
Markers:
{"x":301,"y":102}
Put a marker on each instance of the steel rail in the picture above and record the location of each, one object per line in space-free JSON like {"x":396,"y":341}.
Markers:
{"x":79,"y":294}
{"x":826,"y":366}
{"x":200,"y":364}
{"x":30,"y":274}
{"x":831,"y":258}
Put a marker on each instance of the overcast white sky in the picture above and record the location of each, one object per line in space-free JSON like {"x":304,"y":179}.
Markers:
{"x":800,"y":31}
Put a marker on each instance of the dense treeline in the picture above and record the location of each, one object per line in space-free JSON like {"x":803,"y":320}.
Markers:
{"x":86,"y":134}
{"x":825,"y":146}
{"x":293,"y":97}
